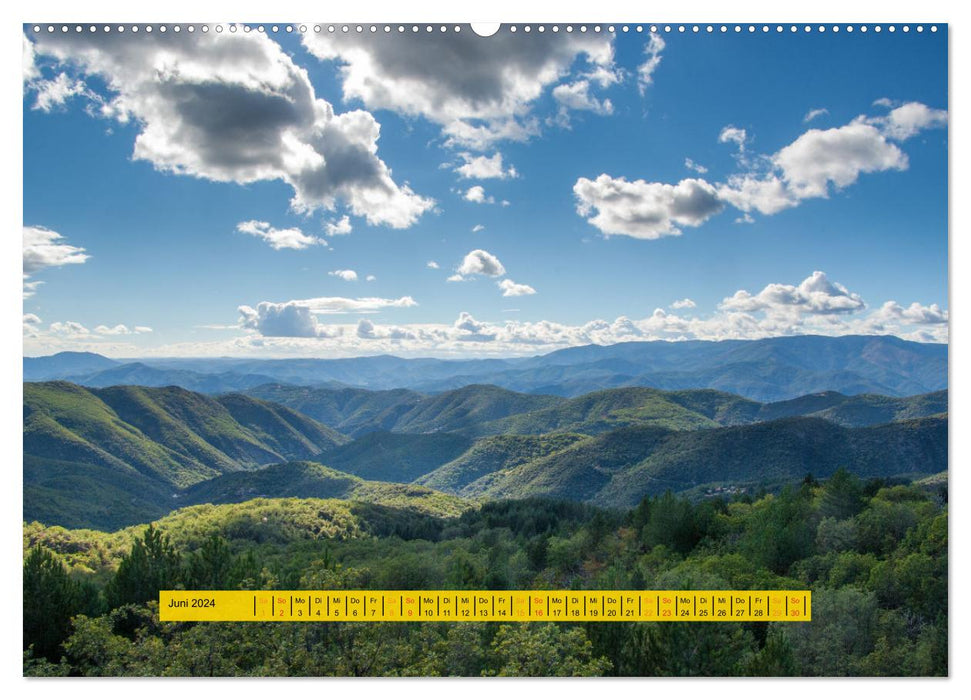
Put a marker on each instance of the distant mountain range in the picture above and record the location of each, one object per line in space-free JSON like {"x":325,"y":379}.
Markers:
{"x":125,"y":454}
{"x":771,"y":369}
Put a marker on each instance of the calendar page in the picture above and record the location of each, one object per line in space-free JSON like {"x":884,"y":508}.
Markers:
{"x":432,"y":349}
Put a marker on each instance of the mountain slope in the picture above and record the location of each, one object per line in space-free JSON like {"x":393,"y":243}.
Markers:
{"x":601,"y":411}
{"x":620,"y":467}
{"x":400,"y":457}
{"x":138,"y":445}
{"x":492,"y":454}
{"x":64,"y":364}
{"x":141,"y":374}
{"x":312,"y":480}
{"x":351,"y":411}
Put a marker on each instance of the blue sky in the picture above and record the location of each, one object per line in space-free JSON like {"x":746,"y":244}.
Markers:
{"x":187,"y":194}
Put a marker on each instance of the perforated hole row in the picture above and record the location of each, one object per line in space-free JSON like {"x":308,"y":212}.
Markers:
{"x":512,"y":28}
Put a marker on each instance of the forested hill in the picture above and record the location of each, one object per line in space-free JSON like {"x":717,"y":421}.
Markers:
{"x":122,"y":455}
{"x":110,"y":455}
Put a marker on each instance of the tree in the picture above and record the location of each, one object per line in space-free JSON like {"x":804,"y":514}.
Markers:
{"x":543,"y":650}
{"x":152,"y":566}
{"x":212,"y":567}
{"x":51,"y":599}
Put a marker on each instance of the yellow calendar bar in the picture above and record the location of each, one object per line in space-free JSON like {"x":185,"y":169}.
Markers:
{"x":485,"y":606}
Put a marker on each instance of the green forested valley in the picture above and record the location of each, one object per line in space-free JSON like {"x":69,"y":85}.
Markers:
{"x":131,"y":489}
{"x":874,"y":554}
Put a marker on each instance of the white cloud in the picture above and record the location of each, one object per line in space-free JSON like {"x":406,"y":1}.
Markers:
{"x":484,"y":168}
{"x":645,"y":71}
{"x":28,"y":60}
{"x":696,"y":167}
{"x":914,"y":314}
{"x":431,"y":264}
{"x":683,"y":304}
{"x":909,"y":119}
{"x":341,"y":227}
{"x":235,"y":108}
{"x":480,"y":91}
{"x":346,"y":275}
{"x":514,"y":289}
{"x":477,"y":194}
{"x":763,"y":193}
{"x":883,"y":102}
{"x":370,"y":278}
{"x":576,"y":96}
{"x":815,"y":306}
{"x":291,"y":320}
{"x":477,"y":228}
{"x":121,"y":329}
{"x":481,"y":262}
{"x":298,"y":318}
{"x":44,"y":248}
{"x":368,"y":330}
{"x":813,"y":165}
{"x":815,"y":295}
{"x":815,"y":113}
{"x":734,"y":134}
{"x":68,"y":329}
{"x":455,"y":278}
{"x":646,"y":210}
{"x":55,"y":93}
{"x":836,"y":156}
{"x":279,"y":239}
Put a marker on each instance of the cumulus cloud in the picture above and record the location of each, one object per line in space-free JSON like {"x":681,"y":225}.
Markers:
{"x":470,"y":329}
{"x":837,"y":156}
{"x":477,"y":194}
{"x":815,"y":113}
{"x":45,"y":248}
{"x":652,"y":53}
{"x":514,"y":289}
{"x":576,"y":96}
{"x":683,"y":304}
{"x":480,"y":262}
{"x":766,"y":194}
{"x":696,"y":167}
{"x":431,"y":264}
{"x":733,"y":134}
{"x":346,"y":275}
{"x":815,"y":295}
{"x":28,"y":60}
{"x":289,"y":320}
{"x":477,"y":228}
{"x":68,"y":329}
{"x":342,"y":227}
{"x":479,"y":90}
{"x":916,"y":313}
{"x":292,"y":238}
{"x":235,"y":108}
{"x":909,"y":119}
{"x":121,"y":329}
{"x":817,"y":305}
{"x":54,"y":93}
{"x":298,"y":318}
{"x":484,"y":167}
{"x":646,"y":210}
{"x":370,"y":278}
{"x":815,"y":164}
